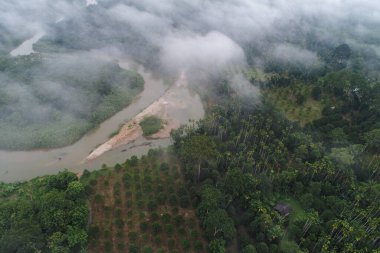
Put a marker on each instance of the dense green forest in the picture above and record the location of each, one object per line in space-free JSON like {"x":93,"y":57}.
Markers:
{"x":47,"y":214}
{"x":262,"y":177}
{"x":245,"y":161}
{"x":51,"y":101}
{"x":271,"y":185}
{"x":285,"y":160}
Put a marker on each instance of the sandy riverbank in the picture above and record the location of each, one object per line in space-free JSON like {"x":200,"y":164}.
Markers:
{"x":164,"y":108}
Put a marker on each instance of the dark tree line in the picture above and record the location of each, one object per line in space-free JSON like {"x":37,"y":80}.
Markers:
{"x":44,"y":215}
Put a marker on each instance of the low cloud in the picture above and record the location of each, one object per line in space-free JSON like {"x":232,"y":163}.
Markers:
{"x":290,"y":54}
{"x":210,"y":54}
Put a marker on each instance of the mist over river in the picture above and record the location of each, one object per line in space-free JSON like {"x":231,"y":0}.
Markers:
{"x":23,"y":165}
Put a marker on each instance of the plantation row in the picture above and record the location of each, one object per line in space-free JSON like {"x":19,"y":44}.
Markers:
{"x":140,"y":206}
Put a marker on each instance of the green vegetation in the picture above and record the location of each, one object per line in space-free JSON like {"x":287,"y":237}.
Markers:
{"x":151,"y":125}
{"x":46,"y":214}
{"x":297,"y":173}
{"x":311,"y":147}
{"x":45,"y":106}
{"x":143,"y":205}
{"x":260,"y":160}
{"x":296,"y":102}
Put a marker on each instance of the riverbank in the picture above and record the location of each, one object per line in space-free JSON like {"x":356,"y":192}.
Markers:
{"x":24,"y":165}
{"x":161,"y":108}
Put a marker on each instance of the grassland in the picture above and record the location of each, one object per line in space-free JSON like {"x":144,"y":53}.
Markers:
{"x":142,"y":206}
{"x":151,"y":125}
{"x":287,"y":99}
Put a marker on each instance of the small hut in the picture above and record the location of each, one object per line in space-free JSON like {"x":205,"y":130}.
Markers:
{"x":283,"y":209}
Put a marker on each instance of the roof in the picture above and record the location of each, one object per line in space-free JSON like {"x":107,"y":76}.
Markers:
{"x":283,"y":208}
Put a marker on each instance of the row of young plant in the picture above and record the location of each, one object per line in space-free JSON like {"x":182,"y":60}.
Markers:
{"x":142,"y":206}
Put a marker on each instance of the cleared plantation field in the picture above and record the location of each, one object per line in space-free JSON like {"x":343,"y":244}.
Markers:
{"x":142,"y":206}
{"x":296,"y":103}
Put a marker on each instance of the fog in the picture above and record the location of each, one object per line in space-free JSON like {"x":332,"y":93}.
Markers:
{"x":204,"y":38}
{"x":146,"y":29}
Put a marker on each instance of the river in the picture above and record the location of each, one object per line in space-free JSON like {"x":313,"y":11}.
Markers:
{"x":24,"y":165}
{"x":26,"y":47}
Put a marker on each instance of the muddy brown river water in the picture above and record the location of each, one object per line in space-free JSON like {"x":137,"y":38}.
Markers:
{"x":23,"y":165}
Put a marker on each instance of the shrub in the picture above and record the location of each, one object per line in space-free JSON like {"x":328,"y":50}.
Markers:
{"x":120,"y":233}
{"x":191,"y":222}
{"x":132,"y":161}
{"x":144,"y":226}
{"x":147,"y":179}
{"x":119,"y":223}
{"x":185,"y":244}
{"x":250,"y":249}
{"x":182,"y":231}
{"x":108,"y":246}
{"x":107,"y":233}
{"x":166,"y":218}
{"x":145,"y":238}
{"x":198,"y":246}
{"x":156,"y":228}
{"x":157,"y":240}
{"x":128,"y":194}
{"x":94,"y":232}
{"x":182,"y":191}
{"x":129,"y":203}
{"x":133,"y":249}
{"x":217,"y":246}
{"x":152,"y":205}
{"x":120,"y":246}
{"x":118,"y":212}
{"x":171,"y":243}
{"x":175,"y":210}
{"x":194,"y":234}
{"x":117,"y":201}
{"x":169,"y":229}
{"x":161,"y":198}
{"x":159,"y":188}
{"x":93,"y":182}
{"x":173,"y":200}
{"x":139,"y":194}
{"x":179,"y":220}
{"x":151,"y":125}
{"x":316,"y":92}
{"x":98,"y":198}
{"x":184,"y":202}
{"x":164,"y":166}
{"x":140,"y":204}
{"x":262,"y":247}
{"x":132,"y":236}
{"x":147,"y":249}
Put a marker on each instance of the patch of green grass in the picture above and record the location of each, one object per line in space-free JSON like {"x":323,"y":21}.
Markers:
{"x":285,"y":99}
{"x":151,"y":125}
